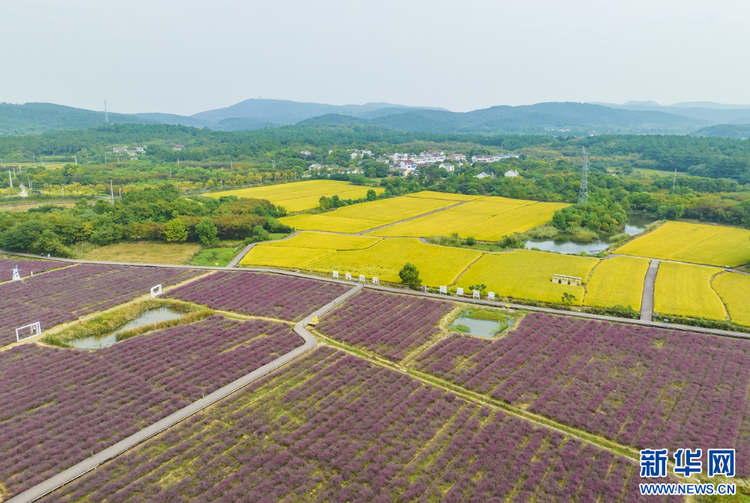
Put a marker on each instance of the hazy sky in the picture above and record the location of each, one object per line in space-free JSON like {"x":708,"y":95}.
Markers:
{"x":188,"y":56}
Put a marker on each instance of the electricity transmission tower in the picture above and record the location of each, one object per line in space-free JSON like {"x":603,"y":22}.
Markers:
{"x":583,"y":194}
{"x":106,"y":114}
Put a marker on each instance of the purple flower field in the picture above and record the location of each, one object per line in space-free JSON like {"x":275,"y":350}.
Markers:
{"x":640,"y":386}
{"x":337,"y":428}
{"x":391,"y":325}
{"x":272,"y":295}
{"x":63,"y":295}
{"x":58,"y":406}
{"x":26,"y":267}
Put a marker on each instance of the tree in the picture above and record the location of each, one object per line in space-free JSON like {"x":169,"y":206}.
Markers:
{"x":409,"y":275}
{"x":568,"y":298}
{"x":371,"y":195}
{"x":207,"y":232}
{"x":176,"y":231}
{"x":471,"y":241}
{"x":260,"y":234}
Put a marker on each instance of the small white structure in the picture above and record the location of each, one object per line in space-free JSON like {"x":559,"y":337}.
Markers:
{"x":348,"y":276}
{"x":16,"y":274}
{"x":460,"y":291}
{"x":491,"y":295}
{"x":27,"y":331}
{"x":562,"y":279}
{"x":156,"y":290}
{"x":375,"y":280}
{"x":477,"y":294}
{"x":444,"y":290}
{"x":459,"y":158}
{"x":450,"y":168}
{"x":485,"y":175}
{"x":511,"y":173}
{"x":362,"y":278}
{"x":178,"y":147}
{"x":335,"y":274}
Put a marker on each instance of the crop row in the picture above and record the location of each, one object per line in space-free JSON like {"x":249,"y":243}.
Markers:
{"x":272,"y":295}
{"x":337,"y":428}
{"x":63,"y":295}
{"x":639,"y":386}
{"x":58,"y":406}
{"x":391,"y":325}
{"x":25,"y":267}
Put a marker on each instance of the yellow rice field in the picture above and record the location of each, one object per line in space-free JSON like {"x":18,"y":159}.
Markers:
{"x":299,"y":196}
{"x":487,"y":219}
{"x":734,"y":290}
{"x":428,"y":194}
{"x":438,"y":265}
{"x":617,"y":281}
{"x":526,"y":274}
{"x":696,"y":243}
{"x":363,"y":216}
{"x":685,"y":290}
{"x":322,"y":241}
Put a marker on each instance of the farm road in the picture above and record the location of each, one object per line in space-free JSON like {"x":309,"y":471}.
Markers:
{"x":72,"y":473}
{"x":647,"y":303}
{"x":412,"y":218}
{"x":668,"y":326}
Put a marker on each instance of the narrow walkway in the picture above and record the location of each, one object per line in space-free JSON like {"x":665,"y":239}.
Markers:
{"x":647,"y":303}
{"x":85,"y":466}
{"x":669,"y":326}
{"x":412,"y":218}
{"x":236,"y":260}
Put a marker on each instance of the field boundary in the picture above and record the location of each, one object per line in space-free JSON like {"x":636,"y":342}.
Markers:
{"x":649,"y":282}
{"x":66,"y":476}
{"x":410,"y":218}
{"x":406,"y":291}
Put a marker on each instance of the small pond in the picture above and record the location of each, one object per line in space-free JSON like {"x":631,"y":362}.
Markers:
{"x":102,"y":341}
{"x":635,"y":225}
{"x":481,"y":323}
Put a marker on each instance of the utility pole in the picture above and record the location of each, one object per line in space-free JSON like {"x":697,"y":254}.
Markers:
{"x":583,"y":194}
{"x":106,"y":114}
{"x":674,"y":182}
{"x":111,"y":192}
{"x":10,"y":177}
{"x":75,"y":157}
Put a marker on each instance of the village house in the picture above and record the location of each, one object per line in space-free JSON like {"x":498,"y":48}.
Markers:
{"x":491,"y":158}
{"x":511,"y":173}
{"x":447,"y":167}
{"x":459,"y":158}
{"x":179,"y":146}
{"x":485,"y":175}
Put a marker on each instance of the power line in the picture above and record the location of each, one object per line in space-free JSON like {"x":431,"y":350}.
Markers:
{"x":583,"y":194}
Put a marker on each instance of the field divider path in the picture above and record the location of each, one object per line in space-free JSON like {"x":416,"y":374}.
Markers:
{"x":411,"y":218}
{"x":46,"y":487}
{"x":237,"y":258}
{"x":647,"y":302}
{"x":405,"y":291}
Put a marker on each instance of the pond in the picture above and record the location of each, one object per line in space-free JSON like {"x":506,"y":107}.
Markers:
{"x":102,"y":341}
{"x":481,"y":323}
{"x":635,"y":225}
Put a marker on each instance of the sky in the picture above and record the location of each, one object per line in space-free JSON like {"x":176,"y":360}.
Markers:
{"x":188,"y":56}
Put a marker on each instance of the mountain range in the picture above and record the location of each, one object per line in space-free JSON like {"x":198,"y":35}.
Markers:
{"x":555,"y":118}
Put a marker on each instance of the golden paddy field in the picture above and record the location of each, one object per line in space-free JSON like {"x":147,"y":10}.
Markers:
{"x":734,"y":290}
{"x":364,"y":216}
{"x":685,"y":290}
{"x":617,"y":281}
{"x":696,"y":243}
{"x":526,"y":274}
{"x":486,"y":219}
{"x":438,"y":265}
{"x":299,"y":196}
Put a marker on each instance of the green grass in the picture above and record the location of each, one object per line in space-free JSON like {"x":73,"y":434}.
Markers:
{"x":214,"y":257}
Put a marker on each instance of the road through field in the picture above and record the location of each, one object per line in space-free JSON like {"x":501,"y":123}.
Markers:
{"x":128,"y":443}
{"x":412,"y":218}
{"x":671,"y":326}
{"x":647,"y":304}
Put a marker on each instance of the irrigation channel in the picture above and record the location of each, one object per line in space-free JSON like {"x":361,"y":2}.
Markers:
{"x":85,"y":466}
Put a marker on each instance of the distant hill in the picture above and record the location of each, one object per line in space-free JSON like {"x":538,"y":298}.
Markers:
{"x":290,"y":112}
{"x":740,"y":131}
{"x":542,"y":118}
{"x":704,"y":110}
{"x":32,"y":118}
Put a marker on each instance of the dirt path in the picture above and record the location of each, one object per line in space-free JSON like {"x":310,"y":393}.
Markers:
{"x":647,"y":303}
{"x":412,"y":218}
